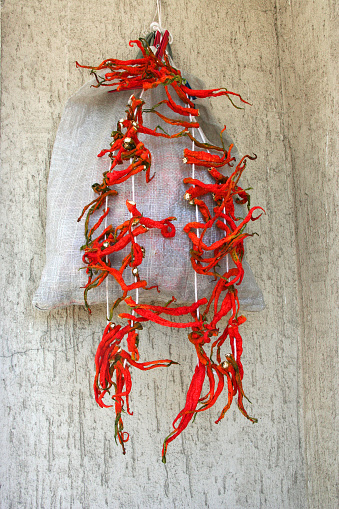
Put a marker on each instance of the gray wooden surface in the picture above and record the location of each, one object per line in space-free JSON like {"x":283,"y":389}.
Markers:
{"x":57,"y":446}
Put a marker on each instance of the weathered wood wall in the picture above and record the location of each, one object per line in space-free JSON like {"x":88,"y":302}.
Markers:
{"x":57,"y":445}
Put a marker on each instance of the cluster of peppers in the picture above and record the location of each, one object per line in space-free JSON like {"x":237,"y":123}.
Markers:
{"x":118,"y":349}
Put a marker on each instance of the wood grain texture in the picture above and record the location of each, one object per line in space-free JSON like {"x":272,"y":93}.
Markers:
{"x":58,"y":446}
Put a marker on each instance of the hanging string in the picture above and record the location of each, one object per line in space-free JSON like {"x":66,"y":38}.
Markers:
{"x":157,"y":12}
{"x":107,"y":302}
{"x":198,"y":232}
{"x":133,"y":199}
{"x":135,"y":277}
{"x":204,"y":140}
{"x":156,"y":26}
{"x":197,"y":220}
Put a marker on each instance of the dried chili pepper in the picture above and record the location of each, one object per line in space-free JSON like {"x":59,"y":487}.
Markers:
{"x":187,"y":413}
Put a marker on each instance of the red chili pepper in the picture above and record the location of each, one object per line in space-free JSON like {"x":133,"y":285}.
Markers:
{"x":152,"y":317}
{"x":137,"y":255}
{"x":230,"y":397}
{"x":145,"y":366}
{"x":181,"y":94}
{"x":182,"y":123}
{"x":185,"y":416}
{"x":178,"y":311}
{"x":185,"y":111}
{"x":215,"y":92}
{"x":203,"y":158}
{"x":213,"y":395}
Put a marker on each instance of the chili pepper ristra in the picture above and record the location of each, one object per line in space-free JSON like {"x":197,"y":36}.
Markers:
{"x":118,"y":351}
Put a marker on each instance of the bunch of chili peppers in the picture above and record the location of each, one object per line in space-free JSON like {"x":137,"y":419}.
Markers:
{"x":118,"y":350}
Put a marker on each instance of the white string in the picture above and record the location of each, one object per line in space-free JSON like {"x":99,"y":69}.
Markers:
{"x":135,"y":277}
{"x":107,"y":303}
{"x":156,"y":26}
{"x":227,"y":256}
{"x":133,"y":199}
{"x":158,"y":11}
{"x":198,"y":232}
